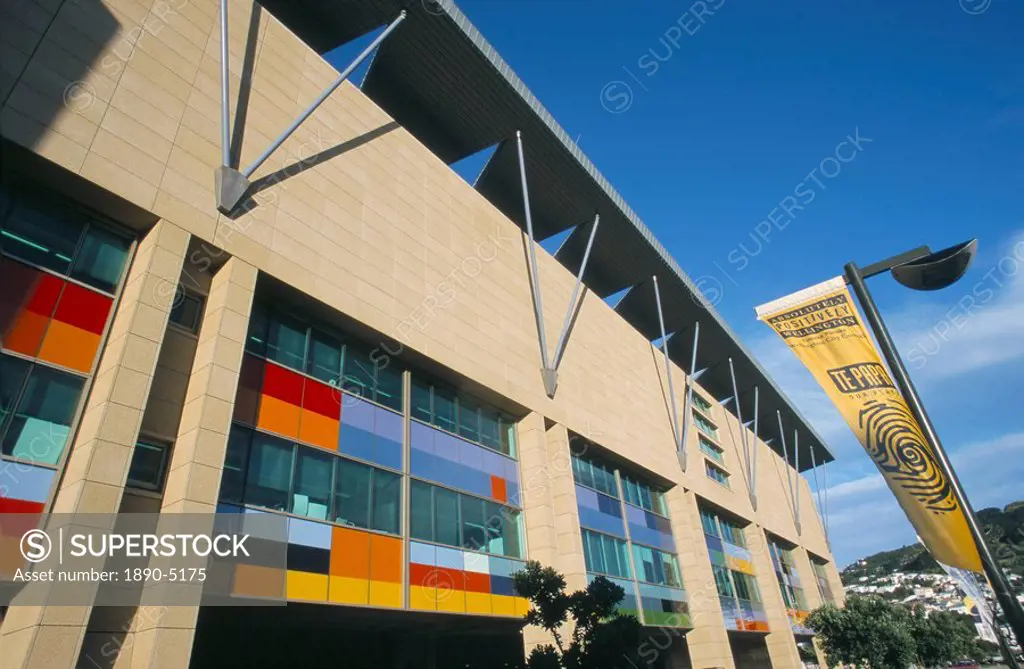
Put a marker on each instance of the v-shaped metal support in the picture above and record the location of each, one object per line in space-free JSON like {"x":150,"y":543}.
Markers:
{"x":794,"y":498}
{"x":231,"y":184}
{"x":549,"y":368}
{"x":679,"y":433}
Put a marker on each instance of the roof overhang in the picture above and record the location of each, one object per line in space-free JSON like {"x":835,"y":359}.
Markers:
{"x":440,"y":79}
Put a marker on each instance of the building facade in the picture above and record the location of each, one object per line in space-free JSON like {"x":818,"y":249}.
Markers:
{"x":357,"y":346}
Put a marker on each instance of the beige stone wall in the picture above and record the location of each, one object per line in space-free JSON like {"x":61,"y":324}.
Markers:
{"x":383,"y":232}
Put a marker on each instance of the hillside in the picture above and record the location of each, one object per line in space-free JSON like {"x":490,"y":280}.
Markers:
{"x":1004,"y":530}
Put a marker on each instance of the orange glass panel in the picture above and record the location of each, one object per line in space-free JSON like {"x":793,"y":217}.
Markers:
{"x":26,"y":333}
{"x":69,"y":346}
{"x":278,"y":416}
{"x":350,"y":553}
{"x":318,"y":430}
{"x":385,"y":559}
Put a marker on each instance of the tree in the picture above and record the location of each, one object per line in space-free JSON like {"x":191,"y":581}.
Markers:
{"x":601,"y":638}
{"x":942,"y":637}
{"x":871,"y":632}
{"x":866,"y":632}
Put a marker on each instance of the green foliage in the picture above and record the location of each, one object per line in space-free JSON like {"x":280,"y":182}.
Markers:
{"x":873,"y":633}
{"x":600,"y":636}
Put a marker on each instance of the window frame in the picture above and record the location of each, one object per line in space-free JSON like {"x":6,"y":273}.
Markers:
{"x":200,"y":311}
{"x":722,"y":477}
{"x":509,"y":512}
{"x":165,"y":460}
{"x":506,"y":424}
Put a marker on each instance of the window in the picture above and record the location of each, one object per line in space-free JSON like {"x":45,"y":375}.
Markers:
{"x":187,"y":311}
{"x":705,"y":426}
{"x":462,"y":415}
{"x":149,"y":466}
{"x":309,"y":350}
{"x":597,"y":476}
{"x":716,"y":473}
{"x":447,"y":517}
{"x":732,"y":533}
{"x":711,"y":449}
{"x":313,"y":473}
{"x":701,"y":403}
{"x":821,"y":576}
{"x":746,"y":587}
{"x":605,"y":555}
{"x":642,"y":495}
{"x":723,"y":581}
{"x":236,"y":460}
{"x":45,"y":232}
{"x":709,"y":523}
{"x":37,"y":412}
{"x":270,"y":472}
{"x":352,"y":494}
{"x":387,"y":501}
{"x":658,"y":567}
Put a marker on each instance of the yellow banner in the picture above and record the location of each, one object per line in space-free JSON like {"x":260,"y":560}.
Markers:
{"x":824,"y":329}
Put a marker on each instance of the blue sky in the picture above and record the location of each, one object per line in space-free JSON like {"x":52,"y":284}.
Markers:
{"x":706,"y":124}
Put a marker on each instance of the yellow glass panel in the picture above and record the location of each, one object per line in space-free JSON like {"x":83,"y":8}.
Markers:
{"x":424,"y":599}
{"x":307,"y":587}
{"x":345,"y":590}
{"x":503,"y":605}
{"x":386,"y":594}
{"x":478,"y":602}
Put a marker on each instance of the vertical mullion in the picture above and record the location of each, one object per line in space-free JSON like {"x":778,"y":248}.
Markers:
{"x":405,"y":499}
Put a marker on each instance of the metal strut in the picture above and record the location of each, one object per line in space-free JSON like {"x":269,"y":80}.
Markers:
{"x":560,"y":347}
{"x":817,"y":488}
{"x":739,"y":416}
{"x":225,"y":114}
{"x":668,"y":367}
{"x":789,"y":477}
{"x":796,"y":476}
{"x":687,"y":411}
{"x":231,"y":184}
{"x":753,"y":468}
{"x":548,"y":374}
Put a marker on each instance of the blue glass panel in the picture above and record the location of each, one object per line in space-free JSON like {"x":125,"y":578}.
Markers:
{"x":422,"y":553}
{"x":421,"y":437}
{"x":502,"y":585}
{"x":356,"y":441}
{"x":448,"y":557}
{"x":422,"y":464}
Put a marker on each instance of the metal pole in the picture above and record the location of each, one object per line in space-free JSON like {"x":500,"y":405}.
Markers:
{"x":817,"y":487}
{"x":739,"y":415}
{"x":668,"y":367}
{"x":785,"y":456}
{"x":796,"y":476}
{"x":688,"y":404}
{"x":248,"y":171}
{"x":1004,"y":595}
{"x":225,"y":115}
{"x":560,"y":347}
{"x":753,"y":474}
{"x":538,"y":305}
{"x":824,"y":480}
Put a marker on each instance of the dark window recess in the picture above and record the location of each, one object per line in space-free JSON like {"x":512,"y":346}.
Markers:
{"x":187,"y":311}
{"x":148,"y":469}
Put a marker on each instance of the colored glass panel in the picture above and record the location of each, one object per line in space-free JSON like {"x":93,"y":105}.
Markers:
{"x":38,"y":429}
{"x":455,"y":462}
{"x":27,"y":303}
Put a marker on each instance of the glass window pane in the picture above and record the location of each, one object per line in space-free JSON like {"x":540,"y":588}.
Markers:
{"x":490,"y":429}
{"x":645,"y":497}
{"x":313,"y":473}
{"x":387,"y":500}
{"x":324,"y":358}
{"x":232,"y":481}
{"x":596,"y":552}
{"x":611,"y":557}
{"x":12,"y":377}
{"x":258,"y":322}
{"x":389,"y":383}
{"x":586,"y":474}
{"x":508,"y":436}
{"x":421,"y":511}
{"x":286,"y":341}
{"x":421,"y":401}
{"x":100,"y":260}
{"x":511,"y":528}
{"x":474,"y":534}
{"x":43,"y":235}
{"x":270,"y":473}
{"x":352,"y":494}
{"x":444,"y":408}
{"x":469,"y":419}
{"x":359,"y":372}
{"x":494,"y":521}
{"x":39,"y":428}
{"x":147,"y":467}
{"x":186,"y":311}
{"x":446,"y":517}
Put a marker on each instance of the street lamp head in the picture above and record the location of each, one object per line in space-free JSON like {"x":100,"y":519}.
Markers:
{"x":937,"y":270}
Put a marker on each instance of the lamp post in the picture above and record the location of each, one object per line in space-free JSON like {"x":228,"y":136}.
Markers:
{"x":920,"y":269}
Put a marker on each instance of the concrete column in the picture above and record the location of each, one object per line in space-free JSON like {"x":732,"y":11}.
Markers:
{"x":708,"y":643}
{"x":780,"y":641}
{"x":549,"y":502}
{"x":97,"y":464}
{"x":163,"y":636}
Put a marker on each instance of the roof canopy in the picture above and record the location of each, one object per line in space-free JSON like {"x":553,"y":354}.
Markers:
{"x":440,"y":79}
